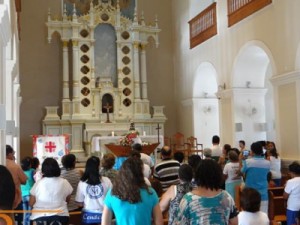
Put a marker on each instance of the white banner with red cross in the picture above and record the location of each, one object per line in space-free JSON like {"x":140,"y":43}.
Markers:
{"x":54,"y":146}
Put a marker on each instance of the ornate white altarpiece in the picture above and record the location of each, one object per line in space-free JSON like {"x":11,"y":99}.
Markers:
{"x":104,"y":75}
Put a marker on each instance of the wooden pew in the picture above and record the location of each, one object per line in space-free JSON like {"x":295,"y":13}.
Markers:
{"x":277,"y":208}
{"x":237,"y":198}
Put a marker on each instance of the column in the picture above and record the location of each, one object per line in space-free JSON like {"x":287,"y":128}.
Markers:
{"x":65,"y":71}
{"x":136,"y":70}
{"x":75,"y":78}
{"x":144,"y":72}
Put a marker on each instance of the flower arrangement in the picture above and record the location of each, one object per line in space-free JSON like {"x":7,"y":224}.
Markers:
{"x":128,"y":139}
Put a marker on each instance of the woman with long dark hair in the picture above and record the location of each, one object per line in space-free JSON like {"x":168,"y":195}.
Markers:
{"x":91,"y":191}
{"x":131,"y":200}
{"x":275,"y":163}
{"x":25,"y":188}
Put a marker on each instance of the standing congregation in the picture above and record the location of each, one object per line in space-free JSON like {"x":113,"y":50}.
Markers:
{"x":197,"y":190}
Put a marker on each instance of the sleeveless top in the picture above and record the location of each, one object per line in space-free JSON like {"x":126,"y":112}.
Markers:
{"x":180,"y":190}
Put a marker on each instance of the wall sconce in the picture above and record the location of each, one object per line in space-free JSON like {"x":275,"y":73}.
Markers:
{"x":206,"y":109}
{"x":222,"y":87}
{"x":248,"y":83}
{"x":252,"y":111}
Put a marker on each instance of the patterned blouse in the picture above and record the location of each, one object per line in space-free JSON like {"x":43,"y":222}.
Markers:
{"x":217,"y":210}
{"x":181,"y":190}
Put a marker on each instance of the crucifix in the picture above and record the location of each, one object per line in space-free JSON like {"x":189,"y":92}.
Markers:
{"x":107,"y":107}
{"x":158,"y":128}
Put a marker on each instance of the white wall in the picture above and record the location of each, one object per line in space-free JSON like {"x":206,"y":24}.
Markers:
{"x":275,"y":29}
{"x":9,"y":87}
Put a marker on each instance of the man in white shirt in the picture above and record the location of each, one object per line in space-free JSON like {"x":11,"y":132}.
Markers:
{"x":144,"y":157}
{"x":216,"y":149}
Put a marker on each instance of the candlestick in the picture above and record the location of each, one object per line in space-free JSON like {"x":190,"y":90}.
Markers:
{"x":112,"y":133}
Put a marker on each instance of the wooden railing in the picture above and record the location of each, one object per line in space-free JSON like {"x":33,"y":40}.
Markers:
{"x":240,"y":9}
{"x":203,"y":26}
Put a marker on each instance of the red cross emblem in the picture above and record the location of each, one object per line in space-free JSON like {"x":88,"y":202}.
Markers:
{"x":50,"y":146}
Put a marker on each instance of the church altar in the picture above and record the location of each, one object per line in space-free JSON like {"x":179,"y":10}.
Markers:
{"x":124,"y":151}
{"x":104,"y":79}
{"x":99,"y":144}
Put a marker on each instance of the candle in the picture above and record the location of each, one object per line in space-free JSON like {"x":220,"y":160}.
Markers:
{"x":144,"y":133}
{"x":112,"y":133}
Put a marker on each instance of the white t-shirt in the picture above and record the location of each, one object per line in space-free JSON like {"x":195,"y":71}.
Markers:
{"x":147,"y":182}
{"x":92,"y":196}
{"x":216,"y":150}
{"x":232,"y":170}
{"x":50,"y":194}
{"x":146,"y":171}
{"x":275,"y":167}
{"x":249,"y":218}
{"x":147,"y":159}
{"x":293,"y":189}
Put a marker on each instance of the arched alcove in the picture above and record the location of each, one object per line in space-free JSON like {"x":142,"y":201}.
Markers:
{"x":107,"y":103}
{"x":250,"y":67}
{"x":205,"y":104}
{"x":253,"y":93}
{"x":205,"y":82}
{"x":106,"y":53}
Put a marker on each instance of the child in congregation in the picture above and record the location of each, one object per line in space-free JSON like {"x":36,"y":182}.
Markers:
{"x":35,"y":165}
{"x":232,"y":174}
{"x":292,"y":194}
{"x":250,"y":204}
{"x":25,"y":188}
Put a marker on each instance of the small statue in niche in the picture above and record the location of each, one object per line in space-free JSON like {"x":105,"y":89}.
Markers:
{"x":107,"y":107}
{"x":107,"y":99}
